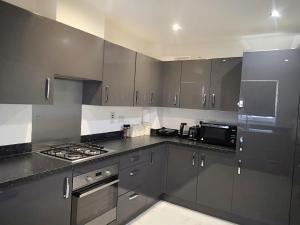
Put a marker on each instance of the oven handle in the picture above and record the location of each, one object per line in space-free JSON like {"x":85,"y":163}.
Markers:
{"x":216,"y":126}
{"x":98,"y":188}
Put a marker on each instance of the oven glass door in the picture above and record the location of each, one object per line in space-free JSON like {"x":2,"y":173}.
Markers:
{"x":98,"y":200}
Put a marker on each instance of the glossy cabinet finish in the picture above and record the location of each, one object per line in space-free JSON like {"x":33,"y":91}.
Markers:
{"x":182,"y":172}
{"x":37,"y":202}
{"x":267,"y":127}
{"x":195,"y":83}
{"x":147,"y":81}
{"x":26,"y":75}
{"x":170,"y":79}
{"x":225,"y":84}
{"x":215,"y":180}
{"x":76,"y":53}
{"x":295,"y":206}
{"x":118,"y":75}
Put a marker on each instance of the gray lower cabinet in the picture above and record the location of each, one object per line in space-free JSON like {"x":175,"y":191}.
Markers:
{"x":170,"y":80}
{"x":76,"y":54}
{"x":295,"y":206}
{"x":147,"y":81}
{"x":37,"y":202}
{"x":215,"y":180}
{"x":225,"y":84}
{"x":195,"y":83}
{"x":118,"y":75}
{"x":182,"y":172}
{"x":25,"y":72}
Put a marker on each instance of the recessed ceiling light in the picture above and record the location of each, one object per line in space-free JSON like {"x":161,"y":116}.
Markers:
{"x":275,"y":13}
{"x":286,"y":60}
{"x":176,"y":27}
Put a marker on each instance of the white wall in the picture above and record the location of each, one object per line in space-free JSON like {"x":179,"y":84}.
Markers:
{"x":15,"y":124}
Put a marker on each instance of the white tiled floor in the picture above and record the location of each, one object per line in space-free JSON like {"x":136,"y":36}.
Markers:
{"x":164,"y":213}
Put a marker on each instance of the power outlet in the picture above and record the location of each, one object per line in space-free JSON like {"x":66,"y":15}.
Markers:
{"x":112,"y":115}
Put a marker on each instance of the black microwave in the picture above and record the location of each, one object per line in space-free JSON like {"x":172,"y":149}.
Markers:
{"x":218,"y":134}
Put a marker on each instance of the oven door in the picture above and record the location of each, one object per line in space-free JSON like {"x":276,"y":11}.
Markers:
{"x":96,"y":204}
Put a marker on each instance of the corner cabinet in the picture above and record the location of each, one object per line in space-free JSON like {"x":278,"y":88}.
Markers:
{"x":194,"y":85}
{"x":118,"y":75}
{"x":170,"y":79}
{"x":225,"y":84}
{"x":25,"y":72}
{"x":42,"y":201}
{"x":147,"y":81}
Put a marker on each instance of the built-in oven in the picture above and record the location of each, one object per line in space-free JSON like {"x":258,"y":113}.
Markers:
{"x":218,"y":134}
{"x":94,"y":197}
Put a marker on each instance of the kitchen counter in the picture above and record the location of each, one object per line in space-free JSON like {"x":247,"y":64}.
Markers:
{"x":28,"y":166}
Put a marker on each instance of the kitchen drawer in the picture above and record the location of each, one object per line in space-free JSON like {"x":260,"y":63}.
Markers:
{"x":134,"y":159}
{"x":131,"y":178}
{"x":130,"y":205}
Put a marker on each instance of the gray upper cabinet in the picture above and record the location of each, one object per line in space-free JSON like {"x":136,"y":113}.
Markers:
{"x":76,"y":54}
{"x":170,"y":79}
{"x":25,"y":72}
{"x":225,"y":84}
{"x":182,"y":173}
{"x":195,"y":82}
{"x":118,"y":75}
{"x":147,"y":81}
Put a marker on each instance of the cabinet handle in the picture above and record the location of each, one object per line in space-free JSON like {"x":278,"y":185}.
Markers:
{"x":151,"y":98}
{"x":48,"y":86}
{"x":241,"y":142}
{"x":67,"y":188}
{"x":213,"y":102}
{"x":239,"y":167}
{"x":136,"y":97}
{"x":204,"y":99}
{"x":202,"y":161}
{"x":151,"y":158}
{"x":193,"y":160}
{"x":240,"y":104}
{"x":175,"y":100}
{"x":133,"y":196}
{"x":106,"y":93}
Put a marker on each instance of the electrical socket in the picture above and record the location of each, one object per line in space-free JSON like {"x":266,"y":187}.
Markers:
{"x":112,"y":115}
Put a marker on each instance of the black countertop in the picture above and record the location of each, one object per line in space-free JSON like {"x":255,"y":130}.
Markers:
{"x":27,"y":166}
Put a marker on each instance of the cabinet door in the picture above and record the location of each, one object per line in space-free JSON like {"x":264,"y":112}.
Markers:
{"x":262,"y":192}
{"x":155,"y":173}
{"x":171,"y":73}
{"x":25,"y":72}
{"x":215,"y":180}
{"x":77,"y":53}
{"x":295,"y":216}
{"x":118,"y":75}
{"x":37,"y":202}
{"x":182,"y":172}
{"x":147,"y":81}
{"x":225,"y":84}
{"x":195,"y":82}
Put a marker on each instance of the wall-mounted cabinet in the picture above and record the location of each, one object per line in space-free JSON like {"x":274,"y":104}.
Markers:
{"x":147,"y":81}
{"x":225,"y":84}
{"x":118,"y":75}
{"x":195,"y":83}
{"x":25,"y":72}
{"x":170,"y":80}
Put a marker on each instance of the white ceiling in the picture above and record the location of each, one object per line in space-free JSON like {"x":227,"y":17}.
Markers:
{"x":201,"y":20}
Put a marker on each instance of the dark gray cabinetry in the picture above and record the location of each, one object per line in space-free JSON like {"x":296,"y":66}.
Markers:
{"x":225,"y":84}
{"x":215,"y":180}
{"x":182,"y":172}
{"x":37,"y":202}
{"x":118,"y":75}
{"x":147,"y":81}
{"x":266,"y":132}
{"x":25,"y":72}
{"x":195,"y":83}
{"x":295,"y":209}
{"x":170,"y":79}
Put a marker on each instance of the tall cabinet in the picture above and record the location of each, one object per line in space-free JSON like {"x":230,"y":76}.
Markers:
{"x":118,"y":75}
{"x":267,"y":123}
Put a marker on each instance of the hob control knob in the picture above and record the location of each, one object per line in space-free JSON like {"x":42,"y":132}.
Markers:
{"x":89,"y":179}
{"x":107,"y":173}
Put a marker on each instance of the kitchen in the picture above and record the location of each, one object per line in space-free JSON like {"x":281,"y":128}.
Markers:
{"x":149,"y":112}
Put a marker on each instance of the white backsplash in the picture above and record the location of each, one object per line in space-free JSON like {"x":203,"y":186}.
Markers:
{"x":16,"y":120}
{"x":15,"y":124}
